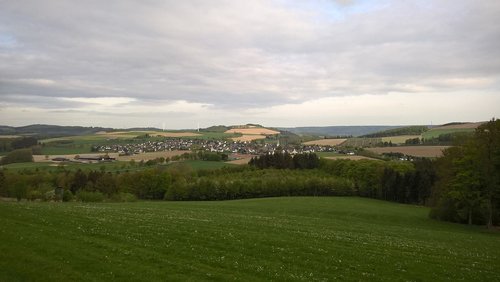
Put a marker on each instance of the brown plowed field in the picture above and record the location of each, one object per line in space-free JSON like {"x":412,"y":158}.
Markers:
{"x":325,"y":142}
{"x":242,"y":161}
{"x":253,"y":131}
{"x":416,"y":151}
{"x":247,"y":138}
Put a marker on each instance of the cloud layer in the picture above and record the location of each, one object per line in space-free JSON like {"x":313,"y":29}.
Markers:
{"x":281,"y":63}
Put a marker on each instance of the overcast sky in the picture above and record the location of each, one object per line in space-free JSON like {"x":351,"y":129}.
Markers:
{"x":274,"y":62}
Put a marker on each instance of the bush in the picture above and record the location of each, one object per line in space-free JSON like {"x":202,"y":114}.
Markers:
{"x":67,"y":196}
{"x":123,"y":197}
{"x":86,"y":196}
{"x":18,"y":156}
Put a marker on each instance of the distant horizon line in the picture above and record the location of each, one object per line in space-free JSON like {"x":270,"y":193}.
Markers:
{"x":154,"y":127}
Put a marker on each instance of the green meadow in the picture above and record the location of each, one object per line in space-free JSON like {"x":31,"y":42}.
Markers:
{"x":290,"y":238}
{"x":434,"y":133}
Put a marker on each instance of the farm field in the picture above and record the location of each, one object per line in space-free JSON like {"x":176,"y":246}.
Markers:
{"x":362,"y":142}
{"x":399,"y":139}
{"x":108,"y":166}
{"x":117,"y":166}
{"x":469,"y":125}
{"x":137,"y":157}
{"x":325,"y":142}
{"x":416,"y":151}
{"x":131,"y":134}
{"x":328,"y":154}
{"x":346,"y":157}
{"x":301,"y":238}
{"x":253,"y":131}
{"x":435,"y":132}
{"x":248,"y":138}
{"x":197,"y":164}
{"x":151,"y":155}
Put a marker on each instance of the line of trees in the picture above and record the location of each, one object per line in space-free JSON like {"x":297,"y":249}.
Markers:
{"x":283,"y":175}
{"x":18,"y":156}
{"x":468,"y":189}
{"x":284,"y":160}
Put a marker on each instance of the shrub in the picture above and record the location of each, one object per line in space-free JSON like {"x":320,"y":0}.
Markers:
{"x":18,"y":156}
{"x":123,"y":197}
{"x":67,"y":196}
{"x":86,"y":196}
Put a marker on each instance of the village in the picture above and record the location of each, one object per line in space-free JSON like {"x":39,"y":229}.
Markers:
{"x":219,"y":146}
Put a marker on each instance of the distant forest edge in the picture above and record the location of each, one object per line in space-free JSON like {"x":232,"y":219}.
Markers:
{"x":408,"y":130}
{"x":339,"y":130}
{"x":355,"y":131}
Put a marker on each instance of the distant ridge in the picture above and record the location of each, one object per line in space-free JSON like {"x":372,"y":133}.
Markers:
{"x":356,"y":130}
{"x":50,"y":130}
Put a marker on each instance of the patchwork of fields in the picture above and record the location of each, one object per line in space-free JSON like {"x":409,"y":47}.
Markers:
{"x":326,"y":142}
{"x":416,"y":151}
{"x":302,"y":238}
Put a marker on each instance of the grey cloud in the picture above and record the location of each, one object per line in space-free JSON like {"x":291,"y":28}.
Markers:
{"x":244,"y":54}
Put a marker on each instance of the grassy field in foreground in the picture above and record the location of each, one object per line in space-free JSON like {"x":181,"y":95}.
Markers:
{"x":301,"y":238}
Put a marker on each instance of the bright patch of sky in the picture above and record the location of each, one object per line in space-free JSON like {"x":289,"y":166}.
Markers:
{"x":7,"y":41}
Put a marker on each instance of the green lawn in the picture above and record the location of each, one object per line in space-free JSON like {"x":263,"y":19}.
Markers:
{"x":328,"y":154}
{"x":434,"y":133}
{"x":302,"y":238}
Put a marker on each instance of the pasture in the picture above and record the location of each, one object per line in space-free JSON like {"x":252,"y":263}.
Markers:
{"x":300,"y":238}
{"x":362,"y":142}
{"x":49,"y":166}
{"x":401,"y":139}
{"x":435,"y":132}
{"x":416,"y":151}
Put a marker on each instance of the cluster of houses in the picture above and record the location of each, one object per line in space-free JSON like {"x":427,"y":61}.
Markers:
{"x":221,"y":146}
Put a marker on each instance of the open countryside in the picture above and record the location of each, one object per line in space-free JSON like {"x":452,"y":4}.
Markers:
{"x":416,"y":151}
{"x":278,"y":238}
{"x":335,"y":140}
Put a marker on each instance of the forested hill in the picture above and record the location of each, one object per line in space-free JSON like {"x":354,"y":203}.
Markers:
{"x":408,"y":130}
{"x":50,"y":130}
{"x":338,"y":130}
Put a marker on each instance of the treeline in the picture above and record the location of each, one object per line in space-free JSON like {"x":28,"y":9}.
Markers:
{"x":468,"y":186}
{"x":403,"y":182}
{"x":452,"y":138}
{"x":252,"y":183}
{"x":409,"y":130}
{"x":285,"y":160}
{"x":9,"y":144}
{"x":171,"y":183}
{"x":395,"y":181}
{"x":18,"y":156}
